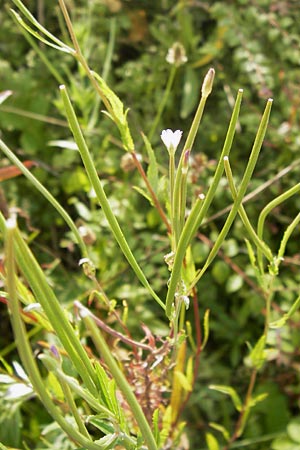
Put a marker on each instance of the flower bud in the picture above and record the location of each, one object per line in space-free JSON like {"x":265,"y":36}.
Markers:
{"x":208,"y":82}
{"x":176,"y":55}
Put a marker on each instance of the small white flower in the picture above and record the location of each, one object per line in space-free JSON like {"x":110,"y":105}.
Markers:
{"x":186,"y":301}
{"x":171,"y":139}
{"x":176,"y":55}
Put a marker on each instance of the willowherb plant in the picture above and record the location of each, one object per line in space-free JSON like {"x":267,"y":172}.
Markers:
{"x":136,"y":403}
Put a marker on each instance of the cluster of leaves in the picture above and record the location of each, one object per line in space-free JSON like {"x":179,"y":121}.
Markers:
{"x":254,"y":45}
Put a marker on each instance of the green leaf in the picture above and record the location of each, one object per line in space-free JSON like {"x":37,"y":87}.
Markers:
{"x":211,"y":442}
{"x":152,"y":171}
{"x":144,"y":194}
{"x":120,"y":117}
{"x":113,"y":398}
{"x":54,"y":386}
{"x":251,"y":254}
{"x":101,"y":424}
{"x":103,"y":381}
{"x":23,"y":24}
{"x":293,"y":430}
{"x":183,"y":380}
{"x":166,"y":425}
{"x":205,"y":329}
{"x":257,"y":355}
{"x":190,"y":87}
{"x":11,"y":424}
{"x":155,"y":422}
{"x":284,"y":443}
{"x":108,"y":442}
{"x":231,"y":248}
{"x":190,"y":370}
{"x":234,"y":283}
{"x":259,"y":398}
{"x":281,"y":322}
{"x":189,"y":270}
{"x":2,"y":447}
{"x":228,"y":390}
{"x":221,"y":429}
{"x":220,"y":271}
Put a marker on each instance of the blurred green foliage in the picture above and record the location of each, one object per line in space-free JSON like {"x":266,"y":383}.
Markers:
{"x":254,"y":45}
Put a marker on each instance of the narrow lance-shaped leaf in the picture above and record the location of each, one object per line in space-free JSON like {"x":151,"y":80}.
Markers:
{"x":264,"y":213}
{"x":60,"y":45}
{"x":212,"y":442}
{"x":228,"y":390}
{"x":205,"y":329}
{"x":35,"y":182}
{"x":282,"y":321}
{"x":101,"y":196}
{"x":24,"y":349}
{"x":119,"y":115}
{"x":55,"y":314}
{"x":243,"y":215}
{"x":257,"y":355}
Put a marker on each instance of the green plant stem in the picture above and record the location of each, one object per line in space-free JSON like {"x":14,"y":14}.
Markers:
{"x":34,"y":181}
{"x":241,"y":192}
{"x":56,"y":43}
{"x":243,"y":414}
{"x":24,"y":348}
{"x":179,"y":202}
{"x":79,"y":56}
{"x":173,"y":212}
{"x":105,"y":72}
{"x":103,"y":201}
{"x":40,"y":52}
{"x":34,"y":116}
{"x":199,"y":210}
{"x":268,"y":299}
{"x":255,"y":191}
{"x":84,"y":394}
{"x":183,"y":188}
{"x":267,"y":209}
{"x":121,"y":381}
{"x":282,"y":321}
{"x":163,"y":102}
{"x":73,"y":408}
{"x":55,"y":314}
{"x":178,"y":189}
{"x":259,"y":243}
{"x":180,"y":253}
{"x":287,"y":235}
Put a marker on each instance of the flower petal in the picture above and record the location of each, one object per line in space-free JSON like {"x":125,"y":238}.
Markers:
{"x":171,"y":138}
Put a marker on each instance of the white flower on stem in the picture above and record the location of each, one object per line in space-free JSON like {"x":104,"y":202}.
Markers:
{"x":176,"y":55}
{"x":171,"y":139}
{"x":186,"y":301}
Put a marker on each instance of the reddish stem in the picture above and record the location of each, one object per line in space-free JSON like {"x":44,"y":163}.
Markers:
{"x":151,"y":192}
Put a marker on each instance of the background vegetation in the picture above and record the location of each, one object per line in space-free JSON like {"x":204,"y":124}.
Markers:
{"x":254,"y":45}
